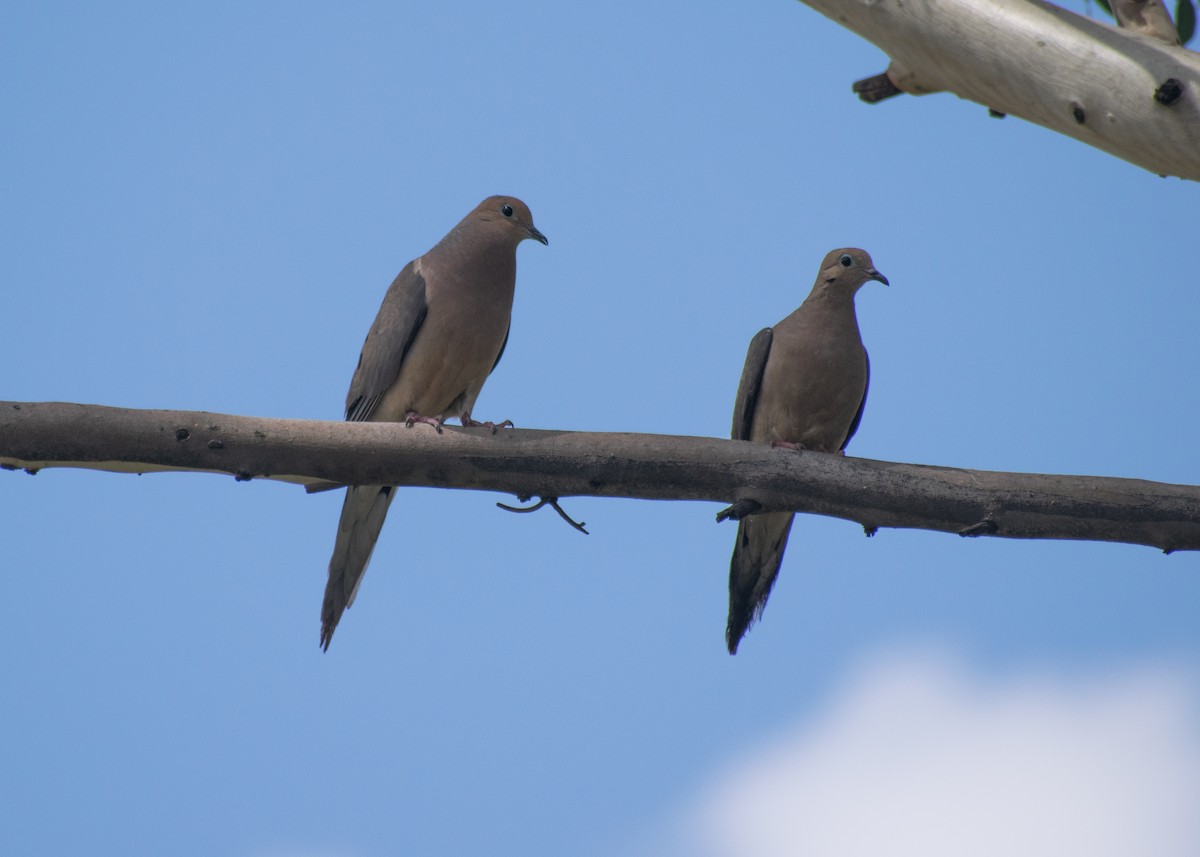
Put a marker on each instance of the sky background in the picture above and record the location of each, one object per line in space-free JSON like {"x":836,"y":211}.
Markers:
{"x":202,"y":208}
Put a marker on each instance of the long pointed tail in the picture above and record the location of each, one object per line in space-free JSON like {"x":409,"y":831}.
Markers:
{"x":761,"y":540}
{"x":363,"y":512}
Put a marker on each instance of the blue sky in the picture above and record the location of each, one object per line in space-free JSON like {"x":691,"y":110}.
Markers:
{"x":202,"y":210}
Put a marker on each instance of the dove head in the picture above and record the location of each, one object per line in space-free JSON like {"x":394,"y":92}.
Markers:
{"x":508,"y":216}
{"x":849,"y":268}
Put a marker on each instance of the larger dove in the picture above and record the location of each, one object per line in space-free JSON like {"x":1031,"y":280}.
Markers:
{"x":440,"y":332}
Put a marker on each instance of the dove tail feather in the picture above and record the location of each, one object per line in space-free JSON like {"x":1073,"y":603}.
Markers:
{"x":757,"y":554}
{"x":363,"y":513}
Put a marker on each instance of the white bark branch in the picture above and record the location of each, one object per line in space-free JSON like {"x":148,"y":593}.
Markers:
{"x":561,"y":464}
{"x":1131,"y":95}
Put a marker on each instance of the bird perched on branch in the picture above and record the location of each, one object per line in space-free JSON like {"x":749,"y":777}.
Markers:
{"x":804,"y":386}
{"x":440,"y":332}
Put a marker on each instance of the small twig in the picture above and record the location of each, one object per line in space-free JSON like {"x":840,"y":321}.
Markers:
{"x":986,"y":527}
{"x":739,"y":510}
{"x":552,"y":502}
{"x":875,"y":89}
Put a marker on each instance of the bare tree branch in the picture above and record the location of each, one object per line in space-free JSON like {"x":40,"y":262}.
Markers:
{"x":1132,"y":95}
{"x":35,"y":435}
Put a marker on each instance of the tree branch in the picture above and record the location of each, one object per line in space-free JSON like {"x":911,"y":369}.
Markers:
{"x":34,"y":435}
{"x":1128,"y":94}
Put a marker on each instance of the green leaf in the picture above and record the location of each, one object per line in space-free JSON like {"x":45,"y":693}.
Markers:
{"x":1185,"y":20}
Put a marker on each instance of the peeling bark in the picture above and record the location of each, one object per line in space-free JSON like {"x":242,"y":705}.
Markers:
{"x":1148,"y":17}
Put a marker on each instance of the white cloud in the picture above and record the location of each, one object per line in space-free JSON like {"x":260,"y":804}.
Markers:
{"x":917,"y":756}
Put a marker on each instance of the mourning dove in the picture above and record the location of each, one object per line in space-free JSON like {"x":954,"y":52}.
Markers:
{"x":440,"y":332}
{"x":804,"y":386}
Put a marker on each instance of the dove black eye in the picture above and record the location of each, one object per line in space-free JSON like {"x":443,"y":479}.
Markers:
{"x":846,"y":260}
{"x":506,"y":210}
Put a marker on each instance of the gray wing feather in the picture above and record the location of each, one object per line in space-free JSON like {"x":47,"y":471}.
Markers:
{"x":761,"y":539}
{"x":400,"y":317}
{"x":750,"y":384}
{"x":503,"y":345}
{"x":861,"y":405}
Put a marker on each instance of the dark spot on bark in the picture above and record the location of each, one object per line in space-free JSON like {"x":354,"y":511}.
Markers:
{"x":1168,"y":92}
{"x":182,"y":434}
{"x":215,"y":444}
{"x":1077,"y":112}
{"x":243,"y":476}
{"x":996,"y":114}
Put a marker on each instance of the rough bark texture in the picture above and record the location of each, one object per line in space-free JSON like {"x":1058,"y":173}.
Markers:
{"x":560,"y":464}
{"x":1027,"y":58}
